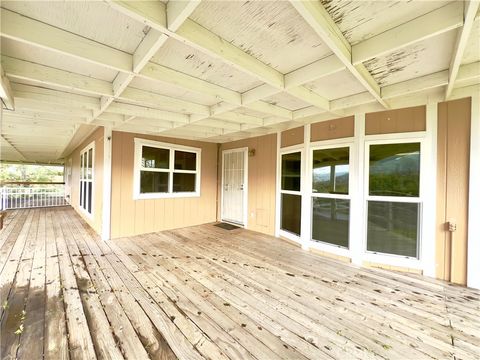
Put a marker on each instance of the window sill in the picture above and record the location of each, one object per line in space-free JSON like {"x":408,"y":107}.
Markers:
{"x":165,"y":196}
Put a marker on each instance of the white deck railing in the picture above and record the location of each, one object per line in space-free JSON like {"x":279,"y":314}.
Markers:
{"x":32,"y":196}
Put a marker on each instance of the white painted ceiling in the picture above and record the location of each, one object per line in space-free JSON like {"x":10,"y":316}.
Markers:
{"x":220,"y":70}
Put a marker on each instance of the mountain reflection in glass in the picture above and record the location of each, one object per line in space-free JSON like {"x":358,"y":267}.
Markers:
{"x":395,"y":170}
{"x":330,"y":171}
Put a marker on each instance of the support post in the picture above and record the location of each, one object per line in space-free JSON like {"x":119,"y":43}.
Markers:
{"x":305,"y":187}
{"x":429,"y":192}
{"x":107,"y":182}
{"x":473,"y":265}
{"x":357,"y":205}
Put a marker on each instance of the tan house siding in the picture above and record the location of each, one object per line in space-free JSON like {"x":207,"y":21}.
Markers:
{"x":292,"y":137}
{"x":72,"y":185}
{"x":261,"y":181}
{"x":132,"y":217}
{"x":396,"y":121}
{"x":333,"y":129}
{"x":453,"y":153}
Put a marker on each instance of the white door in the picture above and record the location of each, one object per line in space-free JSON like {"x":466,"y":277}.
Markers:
{"x":234,"y":186}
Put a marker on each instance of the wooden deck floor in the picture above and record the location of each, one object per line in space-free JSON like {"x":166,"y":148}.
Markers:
{"x":204,"y":292}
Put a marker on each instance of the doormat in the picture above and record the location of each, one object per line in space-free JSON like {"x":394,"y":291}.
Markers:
{"x":227,"y":226}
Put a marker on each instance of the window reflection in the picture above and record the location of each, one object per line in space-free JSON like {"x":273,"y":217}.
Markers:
{"x":395,"y":170}
{"x":291,"y":167}
{"x":331,"y":171}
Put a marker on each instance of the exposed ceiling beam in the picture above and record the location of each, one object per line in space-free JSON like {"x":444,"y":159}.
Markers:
{"x":54,"y":96}
{"x":5,"y":90}
{"x":178,"y":11}
{"x":471,"y":8}
{"x":319,"y":19}
{"x":415,"y":85}
{"x":421,"y":28}
{"x":24,"y":70}
{"x":207,"y":42}
{"x":21,"y":28}
{"x":44,"y":75}
{"x":5,"y":142}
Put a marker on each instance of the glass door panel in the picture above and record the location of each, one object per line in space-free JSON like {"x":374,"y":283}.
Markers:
{"x":330,"y":196}
{"x":290,"y":195}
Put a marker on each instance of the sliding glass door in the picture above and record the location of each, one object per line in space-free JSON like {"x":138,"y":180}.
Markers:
{"x":393,"y":199}
{"x":290,"y":193}
{"x":330,"y":195}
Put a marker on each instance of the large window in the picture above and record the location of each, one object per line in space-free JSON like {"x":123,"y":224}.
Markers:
{"x":166,"y":170}
{"x":87,"y":157}
{"x":393,"y":199}
{"x":330,"y":195}
{"x":290,"y":195}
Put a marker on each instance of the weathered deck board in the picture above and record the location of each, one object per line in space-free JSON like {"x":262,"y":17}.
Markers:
{"x":203,"y":292}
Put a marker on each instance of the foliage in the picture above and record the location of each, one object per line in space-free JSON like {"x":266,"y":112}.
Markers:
{"x":32,"y":173}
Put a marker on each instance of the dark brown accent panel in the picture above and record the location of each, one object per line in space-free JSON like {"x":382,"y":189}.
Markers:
{"x":333,"y":129}
{"x":396,"y":121}
{"x":292,"y":137}
{"x":453,"y":154}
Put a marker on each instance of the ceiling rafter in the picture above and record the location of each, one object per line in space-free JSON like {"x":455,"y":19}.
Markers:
{"x":103,"y":88}
{"x":321,"y":22}
{"x":6,"y":93}
{"x":7,"y":143}
{"x":207,"y":42}
{"x":177,"y":13}
{"x":434,"y":23}
{"x":470,"y":12}
{"x":416,"y":85}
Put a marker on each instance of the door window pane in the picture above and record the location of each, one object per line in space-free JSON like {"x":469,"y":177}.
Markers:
{"x":89,"y":198}
{"x":153,"y":182}
{"x":330,"y":221}
{"x":185,"y":160}
{"x":291,"y":167}
{"x":291,"y":213}
{"x":155,"y":158}
{"x":330,"y":171}
{"x":183,"y":182}
{"x":393,"y":228}
{"x":90,"y":164}
{"x":394,"y":170}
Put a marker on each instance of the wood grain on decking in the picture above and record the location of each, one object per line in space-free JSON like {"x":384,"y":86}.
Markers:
{"x":204,"y":292}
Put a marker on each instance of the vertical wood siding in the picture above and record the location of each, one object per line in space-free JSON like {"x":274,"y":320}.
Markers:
{"x":396,"y":121}
{"x":453,"y":154}
{"x":292,"y":137}
{"x":333,"y":129}
{"x":133,"y":217}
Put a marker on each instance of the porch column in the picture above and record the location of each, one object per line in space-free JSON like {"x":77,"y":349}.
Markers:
{"x":107,"y":182}
{"x":357,"y":206}
{"x":430,"y":192}
{"x":473,"y":263}
{"x":305,"y":187}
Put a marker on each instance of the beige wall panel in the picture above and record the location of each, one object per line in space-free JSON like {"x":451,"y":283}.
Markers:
{"x":396,"y":121}
{"x":74,"y":180}
{"x":333,"y":129}
{"x":292,"y":137}
{"x":261,"y":181}
{"x":453,"y":153}
{"x":132,"y":217}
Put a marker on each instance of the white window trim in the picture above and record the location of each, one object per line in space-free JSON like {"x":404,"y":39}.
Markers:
{"x":139,"y":143}
{"x":321,"y":245}
{"x":283,"y":151}
{"x":392,"y":259}
{"x":85,"y":150}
